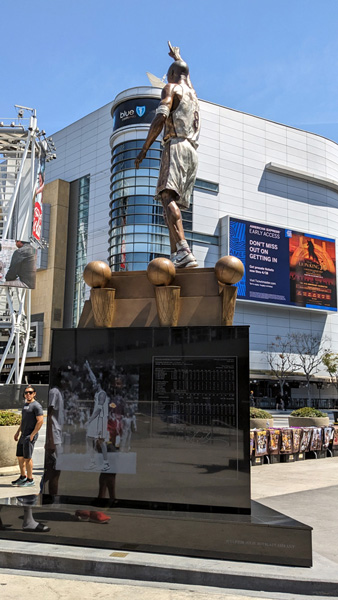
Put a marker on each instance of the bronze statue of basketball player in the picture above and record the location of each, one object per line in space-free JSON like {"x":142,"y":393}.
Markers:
{"x":178,"y":114}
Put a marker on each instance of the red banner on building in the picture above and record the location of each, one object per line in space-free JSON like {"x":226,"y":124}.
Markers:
{"x":37,"y":216}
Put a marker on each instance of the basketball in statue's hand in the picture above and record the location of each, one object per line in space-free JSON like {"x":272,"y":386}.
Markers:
{"x":97,"y":274}
{"x":229,"y":269}
{"x":161,"y":271}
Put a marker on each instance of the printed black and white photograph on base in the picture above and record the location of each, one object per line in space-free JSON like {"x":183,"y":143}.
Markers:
{"x":99,"y":418}
{"x":91,"y":422}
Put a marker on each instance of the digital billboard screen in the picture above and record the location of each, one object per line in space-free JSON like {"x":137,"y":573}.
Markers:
{"x":283,"y":266}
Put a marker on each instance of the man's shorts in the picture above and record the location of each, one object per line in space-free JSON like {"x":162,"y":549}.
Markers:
{"x":25,"y":447}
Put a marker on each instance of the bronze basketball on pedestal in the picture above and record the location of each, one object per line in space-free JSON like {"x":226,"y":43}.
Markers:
{"x":229,"y":269}
{"x":97,"y":274}
{"x":161,"y":271}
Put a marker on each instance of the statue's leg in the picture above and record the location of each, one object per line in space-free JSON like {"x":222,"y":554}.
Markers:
{"x":173,"y":218}
{"x":181,"y":254}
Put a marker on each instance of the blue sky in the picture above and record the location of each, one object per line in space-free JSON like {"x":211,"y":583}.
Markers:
{"x":276,"y":59}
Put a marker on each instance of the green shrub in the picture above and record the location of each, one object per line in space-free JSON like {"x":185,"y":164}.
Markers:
{"x":8,"y":417}
{"x":258,"y":413}
{"x":307,"y":411}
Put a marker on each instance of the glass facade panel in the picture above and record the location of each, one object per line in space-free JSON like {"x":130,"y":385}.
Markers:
{"x":207,"y":186}
{"x":81,"y":248}
{"x":129,"y":164}
{"x":134,"y":144}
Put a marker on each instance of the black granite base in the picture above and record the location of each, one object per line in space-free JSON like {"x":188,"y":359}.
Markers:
{"x":172,"y":408}
{"x":265,"y":536}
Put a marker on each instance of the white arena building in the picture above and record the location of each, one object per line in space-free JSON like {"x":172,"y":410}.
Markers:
{"x":280,"y":181}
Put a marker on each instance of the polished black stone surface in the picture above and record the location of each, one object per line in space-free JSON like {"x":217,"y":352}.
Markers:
{"x":264,"y":536}
{"x":174,"y":413}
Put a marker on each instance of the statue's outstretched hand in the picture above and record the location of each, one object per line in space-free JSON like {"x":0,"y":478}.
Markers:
{"x":174,"y":52}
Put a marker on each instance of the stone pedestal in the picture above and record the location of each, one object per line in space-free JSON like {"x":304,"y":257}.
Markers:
{"x":201,"y":302}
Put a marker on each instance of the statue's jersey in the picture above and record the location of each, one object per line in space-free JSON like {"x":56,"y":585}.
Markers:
{"x":184,"y":122}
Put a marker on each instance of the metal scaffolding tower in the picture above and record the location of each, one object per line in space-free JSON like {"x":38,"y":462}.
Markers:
{"x":23,"y":147}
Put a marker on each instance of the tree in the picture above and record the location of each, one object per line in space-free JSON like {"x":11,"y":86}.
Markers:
{"x":280,"y":358}
{"x":330,"y":361}
{"x":309,"y":353}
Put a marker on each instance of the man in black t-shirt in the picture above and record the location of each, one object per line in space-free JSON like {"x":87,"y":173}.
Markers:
{"x":31,"y":423}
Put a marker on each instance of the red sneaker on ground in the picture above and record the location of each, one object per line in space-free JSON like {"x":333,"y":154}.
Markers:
{"x":98,"y":517}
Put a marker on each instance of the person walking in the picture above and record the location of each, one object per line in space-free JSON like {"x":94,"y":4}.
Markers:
{"x":26,"y":436}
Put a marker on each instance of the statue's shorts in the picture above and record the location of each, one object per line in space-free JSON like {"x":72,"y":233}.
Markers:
{"x":178,"y":170}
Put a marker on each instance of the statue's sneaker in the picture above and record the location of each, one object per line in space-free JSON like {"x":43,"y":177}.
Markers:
{"x":184,"y":258}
